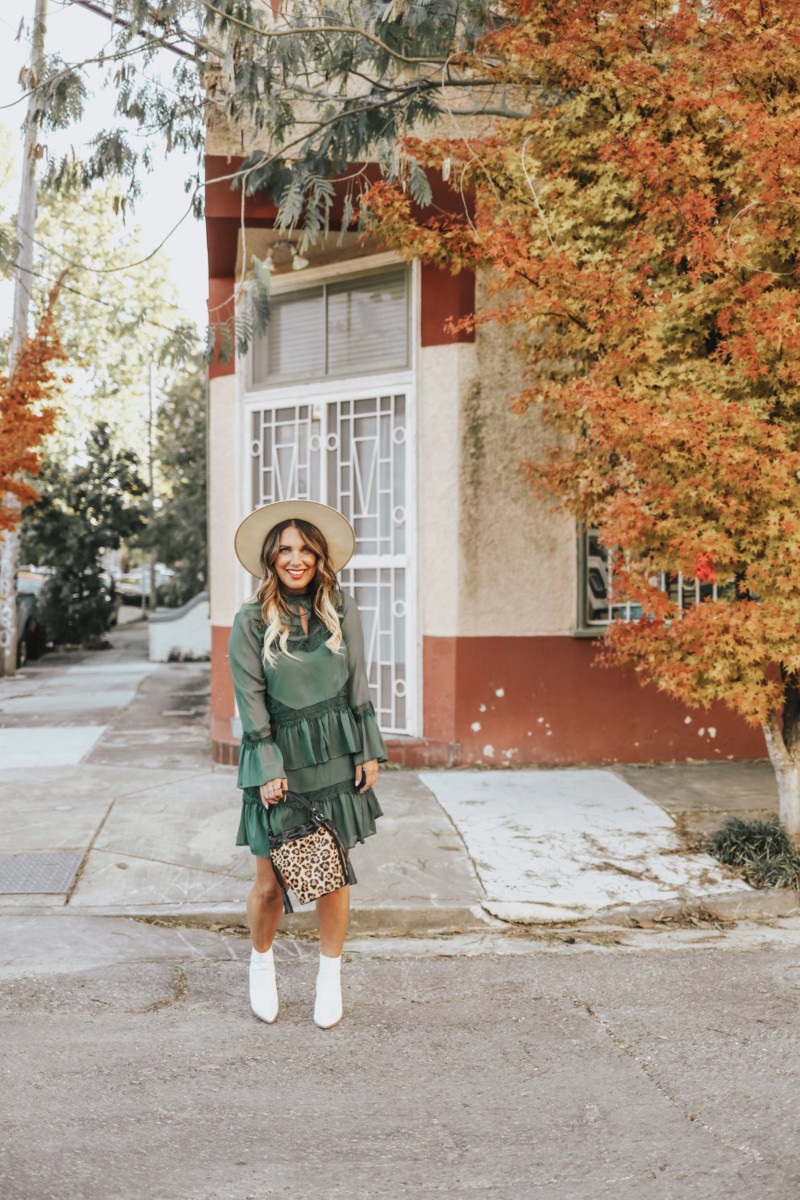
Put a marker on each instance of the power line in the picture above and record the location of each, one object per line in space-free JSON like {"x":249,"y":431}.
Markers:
{"x":66,"y":287}
{"x":92,"y":7}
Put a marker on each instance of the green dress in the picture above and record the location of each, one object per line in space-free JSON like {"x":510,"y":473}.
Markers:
{"x":307,"y":718}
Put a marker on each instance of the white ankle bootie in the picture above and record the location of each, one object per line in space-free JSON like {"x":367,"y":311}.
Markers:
{"x":328,"y":1006}
{"x":263,"y":991}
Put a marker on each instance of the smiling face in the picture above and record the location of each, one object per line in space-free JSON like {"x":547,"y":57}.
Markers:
{"x":295,"y":562}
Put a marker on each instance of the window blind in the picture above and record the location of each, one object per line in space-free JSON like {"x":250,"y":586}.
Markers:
{"x":357,"y":326}
{"x":367,"y":325}
{"x":293,"y":344}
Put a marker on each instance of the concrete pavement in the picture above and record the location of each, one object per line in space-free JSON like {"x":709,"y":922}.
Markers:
{"x":109,"y":805}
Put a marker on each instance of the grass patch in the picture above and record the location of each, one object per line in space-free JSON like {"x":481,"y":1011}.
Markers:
{"x":760,"y":850}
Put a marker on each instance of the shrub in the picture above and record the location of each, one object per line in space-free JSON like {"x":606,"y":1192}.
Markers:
{"x":761,"y":850}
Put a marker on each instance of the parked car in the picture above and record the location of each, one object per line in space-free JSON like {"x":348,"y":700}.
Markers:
{"x":134,"y":588}
{"x":31,"y":633}
{"x":114,"y":598}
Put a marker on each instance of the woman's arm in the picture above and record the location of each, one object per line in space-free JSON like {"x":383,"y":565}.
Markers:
{"x":260,"y":760}
{"x":373,"y":749}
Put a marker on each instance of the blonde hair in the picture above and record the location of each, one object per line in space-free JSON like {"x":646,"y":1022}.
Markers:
{"x":273,"y":605}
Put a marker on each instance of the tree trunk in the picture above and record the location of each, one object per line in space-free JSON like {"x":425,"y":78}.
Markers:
{"x":23,"y":282}
{"x":783,"y":745}
{"x":9,"y":553}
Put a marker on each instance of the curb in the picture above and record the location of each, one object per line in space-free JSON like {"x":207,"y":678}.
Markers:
{"x":750,"y":904}
{"x":389,"y":921}
{"x":745,"y":905}
{"x":425,"y":918}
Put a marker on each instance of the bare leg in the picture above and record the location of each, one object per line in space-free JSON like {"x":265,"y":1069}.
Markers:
{"x":333,"y":915}
{"x":264,"y":906}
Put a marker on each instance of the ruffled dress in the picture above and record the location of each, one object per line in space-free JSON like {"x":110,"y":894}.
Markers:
{"x":307,"y":718}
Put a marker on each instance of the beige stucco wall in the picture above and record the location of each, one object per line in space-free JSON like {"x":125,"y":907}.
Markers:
{"x":224,"y":449}
{"x":493,"y":559}
{"x":444,"y":380}
{"x":518,"y":552}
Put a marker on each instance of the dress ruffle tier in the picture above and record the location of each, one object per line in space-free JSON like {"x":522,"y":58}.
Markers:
{"x":353,"y":813}
{"x":308,"y":740}
{"x":259,"y":760}
{"x":328,"y":735}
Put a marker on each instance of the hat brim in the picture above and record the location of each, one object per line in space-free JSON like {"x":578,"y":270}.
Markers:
{"x":336,"y":529}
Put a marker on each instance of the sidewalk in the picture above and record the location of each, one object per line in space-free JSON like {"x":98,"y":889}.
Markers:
{"x":110,"y":805}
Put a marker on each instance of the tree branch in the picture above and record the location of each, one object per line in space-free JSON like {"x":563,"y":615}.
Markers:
{"x":320,"y":29}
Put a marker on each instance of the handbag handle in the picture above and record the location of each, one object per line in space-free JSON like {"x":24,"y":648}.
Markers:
{"x":307,"y":805}
{"x":304,"y":803}
{"x":344,"y":854}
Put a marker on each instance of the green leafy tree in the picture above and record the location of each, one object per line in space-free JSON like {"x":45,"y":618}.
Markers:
{"x":305,"y":90}
{"x":114,"y":324}
{"x":86,"y":509}
{"x":177,"y":531}
{"x":308,"y":89}
{"x":117,"y":312}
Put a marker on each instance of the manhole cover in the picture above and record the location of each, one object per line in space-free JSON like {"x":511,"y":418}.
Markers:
{"x":31,"y":873}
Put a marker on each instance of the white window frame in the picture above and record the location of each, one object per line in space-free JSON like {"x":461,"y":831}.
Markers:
{"x":328,"y":389}
{"x":686,"y":592}
{"x":300,"y":281}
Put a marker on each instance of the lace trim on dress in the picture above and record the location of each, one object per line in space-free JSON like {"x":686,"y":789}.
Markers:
{"x":258,"y":735}
{"x":361,"y":709}
{"x":331,"y":792}
{"x":317,"y":636}
{"x":281,"y":714}
{"x":318,"y":633}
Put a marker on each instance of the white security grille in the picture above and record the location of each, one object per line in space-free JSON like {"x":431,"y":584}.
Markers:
{"x":600,"y":607}
{"x":351,"y":452}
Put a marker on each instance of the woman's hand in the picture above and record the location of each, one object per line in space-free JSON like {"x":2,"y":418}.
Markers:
{"x":366,"y":774}
{"x":272,"y":792}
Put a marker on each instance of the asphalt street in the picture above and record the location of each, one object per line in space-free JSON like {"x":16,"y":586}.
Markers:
{"x":638,"y":1066}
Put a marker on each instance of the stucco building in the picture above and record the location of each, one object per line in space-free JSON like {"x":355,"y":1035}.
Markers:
{"x":482,"y":606}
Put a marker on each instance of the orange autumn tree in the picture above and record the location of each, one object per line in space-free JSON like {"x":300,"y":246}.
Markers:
{"x":27,"y":415}
{"x":639,"y":227}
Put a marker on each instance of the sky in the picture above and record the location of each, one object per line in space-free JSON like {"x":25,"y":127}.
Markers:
{"x":75,"y":34}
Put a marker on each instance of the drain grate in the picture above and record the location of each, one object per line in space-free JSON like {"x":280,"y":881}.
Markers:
{"x":27,"y":874}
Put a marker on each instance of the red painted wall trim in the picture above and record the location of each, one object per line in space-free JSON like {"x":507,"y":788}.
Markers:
{"x":223,"y":201}
{"x":220,"y":310}
{"x":445,"y":297}
{"x":223,"y":703}
{"x":439,"y":681}
{"x":544,"y":700}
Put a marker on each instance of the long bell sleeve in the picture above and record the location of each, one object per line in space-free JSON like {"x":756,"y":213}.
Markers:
{"x":260,"y":760}
{"x":372,"y":744}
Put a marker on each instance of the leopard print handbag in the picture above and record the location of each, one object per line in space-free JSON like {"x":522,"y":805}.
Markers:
{"x":310,"y":860}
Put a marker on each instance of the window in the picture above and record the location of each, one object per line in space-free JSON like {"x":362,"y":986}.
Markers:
{"x":293,"y":344}
{"x":356,"y":326}
{"x":596,"y":605}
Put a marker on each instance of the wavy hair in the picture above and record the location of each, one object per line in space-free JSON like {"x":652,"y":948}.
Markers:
{"x":274,"y":609}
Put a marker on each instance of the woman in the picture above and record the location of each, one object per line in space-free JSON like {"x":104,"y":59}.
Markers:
{"x":297,"y":660}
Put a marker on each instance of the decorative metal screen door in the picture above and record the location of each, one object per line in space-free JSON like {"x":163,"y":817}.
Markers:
{"x":352,"y":452}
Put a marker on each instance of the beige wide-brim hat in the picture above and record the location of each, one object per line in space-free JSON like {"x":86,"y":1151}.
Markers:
{"x":336,"y":529}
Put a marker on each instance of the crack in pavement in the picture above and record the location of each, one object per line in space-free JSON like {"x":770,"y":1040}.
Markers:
{"x":180,"y":990}
{"x":619,"y":1042}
